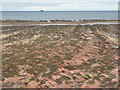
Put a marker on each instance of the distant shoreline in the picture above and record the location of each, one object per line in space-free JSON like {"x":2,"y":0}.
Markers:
{"x":7,"y":22}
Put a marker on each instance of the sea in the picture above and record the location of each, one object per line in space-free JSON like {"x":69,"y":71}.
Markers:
{"x":60,"y":15}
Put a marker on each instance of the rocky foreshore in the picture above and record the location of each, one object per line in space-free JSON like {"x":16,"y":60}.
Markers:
{"x":72,"y":56}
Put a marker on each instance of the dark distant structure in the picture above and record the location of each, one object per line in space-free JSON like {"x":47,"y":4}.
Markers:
{"x":41,"y":10}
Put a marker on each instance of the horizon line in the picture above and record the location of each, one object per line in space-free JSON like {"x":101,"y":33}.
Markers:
{"x":67,"y":10}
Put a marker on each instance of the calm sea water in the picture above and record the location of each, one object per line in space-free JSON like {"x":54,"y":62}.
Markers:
{"x":66,"y":15}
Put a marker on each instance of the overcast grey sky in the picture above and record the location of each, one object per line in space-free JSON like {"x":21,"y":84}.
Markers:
{"x":59,"y":5}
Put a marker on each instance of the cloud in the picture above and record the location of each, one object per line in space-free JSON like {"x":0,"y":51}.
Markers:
{"x":59,"y":6}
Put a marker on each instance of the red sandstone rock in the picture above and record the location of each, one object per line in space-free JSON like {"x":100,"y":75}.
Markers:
{"x":14,"y":79}
{"x":56,"y":77}
{"x":32,"y":84}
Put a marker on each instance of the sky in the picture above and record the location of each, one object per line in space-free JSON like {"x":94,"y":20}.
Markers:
{"x":59,"y":5}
